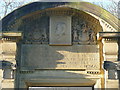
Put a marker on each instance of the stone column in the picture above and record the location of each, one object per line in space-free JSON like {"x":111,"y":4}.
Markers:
{"x":109,"y":38}
{"x":110,"y":54}
{"x":110,"y":48}
{"x":8,"y":57}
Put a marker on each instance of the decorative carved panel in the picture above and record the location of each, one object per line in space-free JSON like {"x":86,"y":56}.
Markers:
{"x":82,"y":32}
{"x":36,"y":30}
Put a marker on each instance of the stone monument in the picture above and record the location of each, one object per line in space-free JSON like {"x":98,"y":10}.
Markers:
{"x":58,"y":45}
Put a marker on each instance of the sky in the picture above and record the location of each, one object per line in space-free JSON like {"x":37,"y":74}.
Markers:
{"x":105,"y":3}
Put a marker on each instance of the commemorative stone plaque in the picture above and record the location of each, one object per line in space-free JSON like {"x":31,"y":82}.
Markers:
{"x":60,"y":30}
{"x":61,"y":57}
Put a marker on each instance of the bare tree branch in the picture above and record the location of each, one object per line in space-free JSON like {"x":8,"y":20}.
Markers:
{"x":112,"y":7}
{"x":10,"y":5}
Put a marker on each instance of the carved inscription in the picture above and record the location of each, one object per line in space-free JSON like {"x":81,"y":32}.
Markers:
{"x":61,"y":57}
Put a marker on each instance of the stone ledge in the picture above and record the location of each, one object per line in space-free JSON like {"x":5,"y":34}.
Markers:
{"x":8,"y":80}
{"x":109,"y":34}
{"x":11,"y":34}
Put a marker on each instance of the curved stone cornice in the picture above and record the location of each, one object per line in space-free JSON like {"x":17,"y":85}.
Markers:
{"x":84,"y":6}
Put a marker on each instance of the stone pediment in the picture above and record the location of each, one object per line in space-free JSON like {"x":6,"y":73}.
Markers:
{"x":36,"y":27}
